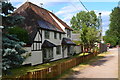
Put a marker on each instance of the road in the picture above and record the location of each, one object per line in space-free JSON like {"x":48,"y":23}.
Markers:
{"x":102,"y":69}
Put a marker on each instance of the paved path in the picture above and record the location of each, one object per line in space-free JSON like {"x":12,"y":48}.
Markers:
{"x":106,"y":67}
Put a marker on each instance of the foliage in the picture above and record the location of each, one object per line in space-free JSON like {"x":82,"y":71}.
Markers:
{"x":113,"y":34}
{"x":9,"y":20}
{"x":84,"y":18}
{"x":77,"y":42}
{"x":22,"y":34}
{"x":88,"y":36}
{"x":87,"y":24}
{"x":111,"y":39}
{"x":12,"y":50}
{"x":11,"y":47}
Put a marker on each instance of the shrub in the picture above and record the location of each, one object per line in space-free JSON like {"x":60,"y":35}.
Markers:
{"x":21,"y":33}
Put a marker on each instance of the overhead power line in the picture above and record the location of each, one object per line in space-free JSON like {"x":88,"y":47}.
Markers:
{"x":83,"y":5}
{"x":75,"y":6}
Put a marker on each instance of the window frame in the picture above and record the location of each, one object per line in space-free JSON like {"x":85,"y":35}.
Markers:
{"x":55,"y":35}
{"x":47,"y":34}
{"x":60,"y":36}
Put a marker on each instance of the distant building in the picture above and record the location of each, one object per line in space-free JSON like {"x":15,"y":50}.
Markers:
{"x":75,"y":36}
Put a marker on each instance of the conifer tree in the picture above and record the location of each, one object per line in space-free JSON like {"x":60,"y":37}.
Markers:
{"x":11,"y":46}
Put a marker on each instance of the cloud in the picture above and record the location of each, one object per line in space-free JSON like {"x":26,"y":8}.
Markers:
{"x":70,"y":9}
{"x":67,"y":12}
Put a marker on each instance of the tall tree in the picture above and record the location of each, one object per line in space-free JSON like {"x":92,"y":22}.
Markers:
{"x":86,"y":24}
{"x":113,"y":34}
{"x":84,"y":18}
{"x":11,"y":46}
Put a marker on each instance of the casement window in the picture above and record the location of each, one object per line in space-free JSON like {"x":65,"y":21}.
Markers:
{"x":48,"y":53}
{"x":60,"y":36}
{"x":55,"y":35}
{"x":58,"y":50}
{"x":47,"y":34}
{"x":69,"y":33}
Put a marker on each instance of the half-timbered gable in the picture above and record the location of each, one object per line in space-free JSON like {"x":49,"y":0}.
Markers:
{"x":36,"y":45}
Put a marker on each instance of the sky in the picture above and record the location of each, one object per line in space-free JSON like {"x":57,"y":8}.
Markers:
{"x":66,"y":9}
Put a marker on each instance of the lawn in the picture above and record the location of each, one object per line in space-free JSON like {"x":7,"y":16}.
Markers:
{"x":24,"y":69}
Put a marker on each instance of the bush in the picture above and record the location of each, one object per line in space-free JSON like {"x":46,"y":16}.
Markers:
{"x":22,"y":34}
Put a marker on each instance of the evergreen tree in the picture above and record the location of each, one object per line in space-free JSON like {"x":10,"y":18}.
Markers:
{"x":11,"y":46}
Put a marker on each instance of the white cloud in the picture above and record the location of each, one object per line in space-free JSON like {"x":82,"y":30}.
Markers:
{"x":69,"y":11}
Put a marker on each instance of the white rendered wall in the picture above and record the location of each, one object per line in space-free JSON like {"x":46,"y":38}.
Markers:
{"x":37,"y":57}
{"x":65,"y":53}
{"x":27,"y":60}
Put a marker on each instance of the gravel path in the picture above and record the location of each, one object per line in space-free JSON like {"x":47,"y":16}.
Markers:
{"x":106,"y":67}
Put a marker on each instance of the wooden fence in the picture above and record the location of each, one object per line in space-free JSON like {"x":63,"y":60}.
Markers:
{"x":56,"y":69}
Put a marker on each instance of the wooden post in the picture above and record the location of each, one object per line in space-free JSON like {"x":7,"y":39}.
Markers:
{"x":29,"y":75}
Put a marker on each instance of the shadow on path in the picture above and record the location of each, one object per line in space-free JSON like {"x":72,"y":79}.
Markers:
{"x":100,"y":62}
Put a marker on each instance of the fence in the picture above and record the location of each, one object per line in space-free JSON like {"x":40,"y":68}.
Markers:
{"x":57,"y":69}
